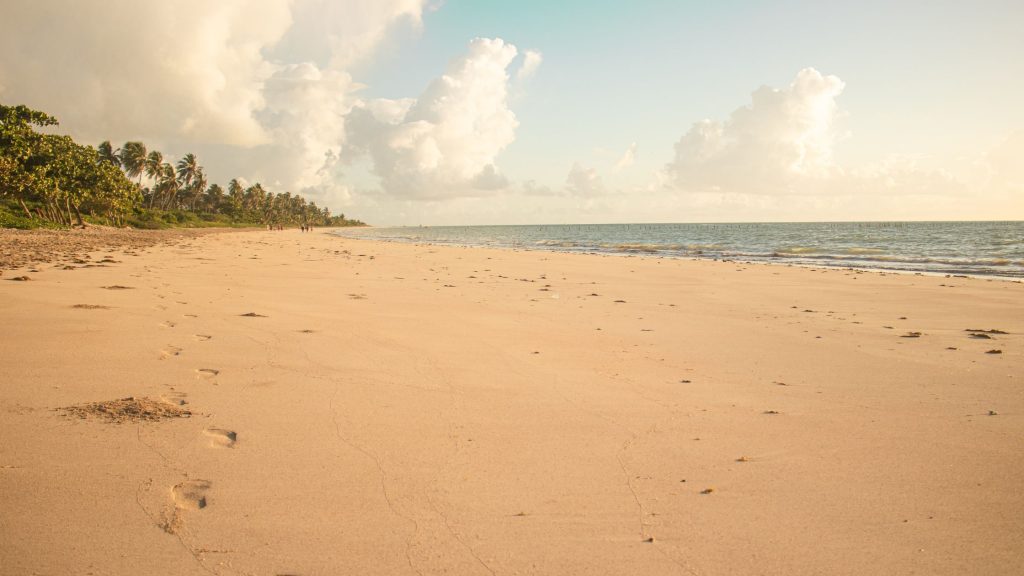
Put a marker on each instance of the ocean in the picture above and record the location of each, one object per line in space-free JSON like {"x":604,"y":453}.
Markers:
{"x":994,"y":249}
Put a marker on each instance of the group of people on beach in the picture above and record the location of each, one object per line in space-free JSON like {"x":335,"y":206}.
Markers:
{"x":304,"y":227}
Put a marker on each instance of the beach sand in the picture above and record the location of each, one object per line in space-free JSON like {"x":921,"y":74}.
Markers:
{"x":279,"y":403}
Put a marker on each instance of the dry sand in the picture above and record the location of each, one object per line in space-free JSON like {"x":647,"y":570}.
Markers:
{"x":350,"y":407}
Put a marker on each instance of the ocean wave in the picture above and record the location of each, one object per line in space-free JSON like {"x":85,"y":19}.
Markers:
{"x":864,"y":250}
{"x":558,"y":243}
{"x":991,"y":249}
{"x":642,"y":247}
{"x":867,"y":258}
{"x":701,"y":248}
{"x":798,"y":250}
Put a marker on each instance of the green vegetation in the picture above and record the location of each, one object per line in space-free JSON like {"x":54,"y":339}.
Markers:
{"x":49,"y":180}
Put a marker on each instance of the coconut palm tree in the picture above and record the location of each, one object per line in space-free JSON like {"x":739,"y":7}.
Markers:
{"x":237,"y":195}
{"x":255,"y":196}
{"x":153,"y":169}
{"x":187,"y":168}
{"x":198,"y":186}
{"x":133,"y":159}
{"x":154,"y":165}
{"x":108,"y":154}
{"x":167,"y":185}
{"x":214,"y":198}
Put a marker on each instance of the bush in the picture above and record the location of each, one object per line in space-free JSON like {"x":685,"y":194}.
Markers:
{"x":10,"y":219}
{"x":12,"y":216}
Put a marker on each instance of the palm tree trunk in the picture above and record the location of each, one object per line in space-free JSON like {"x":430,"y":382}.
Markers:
{"x":67,"y":206}
{"x":25,"y":208}
{"x":78,"y":215}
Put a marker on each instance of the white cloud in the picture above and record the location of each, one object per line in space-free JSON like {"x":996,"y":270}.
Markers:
{"x":627,"y":159}
{"x":256,"y":87}
{"x":192,"y":68}
{"x":304,"y":115}
{"x":443,"y":144}
{"x":783,"y":143}
{"x":531,"y":61}
{"x":781,"y":138}
{"x":532,"y":188}
{"x":584,"y":182}
{"x":336,"y":34}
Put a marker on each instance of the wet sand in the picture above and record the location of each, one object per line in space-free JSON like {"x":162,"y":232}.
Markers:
{"x":286,"y":403}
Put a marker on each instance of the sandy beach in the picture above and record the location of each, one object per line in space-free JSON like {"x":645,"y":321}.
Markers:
{"x":280,"y":403}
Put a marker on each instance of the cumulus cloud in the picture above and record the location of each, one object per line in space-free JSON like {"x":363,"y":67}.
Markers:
{"x":336,"y":34}
{"x":259,"y":85}
{"x":782,"y":137}
{"x":444,"y":143}
{"x":192,"y":68}
{"x":531,"y":61}
{"x":583,"y":181}
{"x":783,"y":143}
{"x":304,"y":115}
{"x":627,"y":159}
{"x":263,"y":89}
{"x":532,"y":188}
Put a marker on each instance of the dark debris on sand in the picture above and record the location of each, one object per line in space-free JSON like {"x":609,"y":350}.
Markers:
{"x":128,"y":409}
{"x":21,"y":248}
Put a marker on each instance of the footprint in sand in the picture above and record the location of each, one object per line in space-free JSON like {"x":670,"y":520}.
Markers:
{"x":168,"y":324}
{"x":207,"y":372}
{"x":221,"y":438}
{"x":202,"y":337}
{"x":191,"y":494}
{"x":169,"y":352}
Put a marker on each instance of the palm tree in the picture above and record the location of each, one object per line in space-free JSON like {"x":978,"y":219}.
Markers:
{"x":154,"y":164}
{"x":167,"y":185}
{"x":133,"y":159}
{"x":198,"y":186}
{"x":254,"y":197}
{"x":107,"y":153}
{"x":187,"y":168}
{"x":214,"y":198}
{"x":154,"y":168}
{"x":237,"y":195}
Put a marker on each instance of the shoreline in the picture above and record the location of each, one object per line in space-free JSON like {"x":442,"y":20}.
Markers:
{"x":358,"y":406}
{"x":916,"y":248}
{"x":692,"y":258}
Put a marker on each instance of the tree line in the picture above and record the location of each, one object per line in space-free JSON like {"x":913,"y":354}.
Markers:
{"x":53,"y":179}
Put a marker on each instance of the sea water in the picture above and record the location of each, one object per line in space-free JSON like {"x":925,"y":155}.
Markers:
{"x":968,"y":248}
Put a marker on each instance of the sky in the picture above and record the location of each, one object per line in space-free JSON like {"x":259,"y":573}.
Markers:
{"x":423,"y":112}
